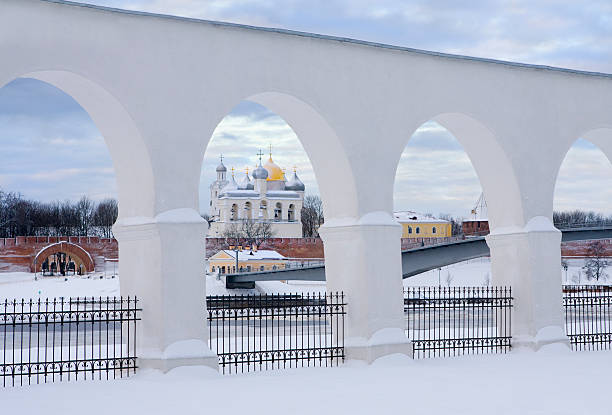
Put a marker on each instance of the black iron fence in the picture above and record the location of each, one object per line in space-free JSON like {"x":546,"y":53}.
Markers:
{"x":67,"y":339}
{"x":272,"y":331}
{"x":588,"y":316}
{"x":450,"y":321}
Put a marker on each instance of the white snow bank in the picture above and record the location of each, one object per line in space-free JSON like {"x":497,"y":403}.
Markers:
{"x":515,"y":383}
{"x":383,"y":336}
{"x":23,"y":285}
{"x":187,"y":349}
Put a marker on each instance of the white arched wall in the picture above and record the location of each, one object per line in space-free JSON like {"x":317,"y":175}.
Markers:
{"x":161,"y":71}
{"x":600,"y":137}
{"x":128,"y":152}
{"x":139,"y":228}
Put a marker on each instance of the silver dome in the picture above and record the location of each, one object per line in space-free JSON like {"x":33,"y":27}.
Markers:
{"x":260,"y":172}
{"x":295,"y":184}
{"x":221,"y":168}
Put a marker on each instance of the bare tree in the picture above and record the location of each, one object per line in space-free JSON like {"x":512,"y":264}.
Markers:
{"x":596,"y":263}
{"x":449,"y":278}
{"x":232,"y":234}
{"x":85,"y":212}
{"x":312,"y":216}
{"x":105,"y":216}
{"x":456,"y":223}
{"x":248,"y":232}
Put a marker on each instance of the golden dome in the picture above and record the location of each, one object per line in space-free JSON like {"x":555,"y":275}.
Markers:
{"x":274,"y":172}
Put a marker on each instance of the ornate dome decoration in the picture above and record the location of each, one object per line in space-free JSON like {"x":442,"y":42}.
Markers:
{"x":221,"y":167}
{"x":295,"y":183}
{"x":260,"y":173}
{"x":274,"y":171}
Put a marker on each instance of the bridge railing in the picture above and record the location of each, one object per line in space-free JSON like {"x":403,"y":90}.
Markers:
{"x":582,"y":225}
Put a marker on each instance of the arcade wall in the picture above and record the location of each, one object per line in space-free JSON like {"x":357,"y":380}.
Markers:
{"x":17,"y":254}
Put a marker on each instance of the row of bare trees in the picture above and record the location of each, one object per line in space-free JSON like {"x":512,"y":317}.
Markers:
{"x":24,"y":217}
{"x":579,"y":218}
{"x":247,"y":232}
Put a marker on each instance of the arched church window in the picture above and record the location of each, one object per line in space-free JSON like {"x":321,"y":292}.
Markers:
{"x":291,"y":213}
{"x":263,"y":210}
{"x":433,"y":230}
{"x":278,"y":212}
{"x":234,"y":215}
{"x":409,"y":229}
{"x":247,"y":210}
{"x":418,"y":230}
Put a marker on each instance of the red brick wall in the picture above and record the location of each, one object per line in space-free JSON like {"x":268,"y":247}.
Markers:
{"x":475,"y":227}
{"x":17,"y":254}
{"x":289,"y":247}
{"x":580,"y":248}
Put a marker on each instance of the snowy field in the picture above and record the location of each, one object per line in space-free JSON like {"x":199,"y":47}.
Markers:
{"x":522,"y":383}
{"x":476,"y":272}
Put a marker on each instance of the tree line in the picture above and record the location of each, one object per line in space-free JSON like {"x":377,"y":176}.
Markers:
{"x":24,"y":217}
{"x":579,"y":217}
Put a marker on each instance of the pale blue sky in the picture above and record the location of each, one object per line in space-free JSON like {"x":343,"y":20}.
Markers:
{"x":52,"y":150}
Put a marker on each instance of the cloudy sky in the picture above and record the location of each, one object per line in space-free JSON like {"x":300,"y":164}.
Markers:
{"x":51,"y":149}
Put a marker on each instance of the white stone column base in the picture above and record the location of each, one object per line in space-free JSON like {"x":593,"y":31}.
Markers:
{"x":382,"y":343}
{"x":529,"y":260}
{"x":546,"y":336}
{"x":182,"y":353}
{"x":363,"y":260}
{"x":166,"y":365}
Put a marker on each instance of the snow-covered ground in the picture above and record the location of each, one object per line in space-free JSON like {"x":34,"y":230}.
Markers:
{"x":476,"y":272}
{"x":521,"y":382}
{"x":551,"y":381}
{"x":24,"y":285}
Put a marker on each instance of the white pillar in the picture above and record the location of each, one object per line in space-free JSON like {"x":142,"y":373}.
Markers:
{"x":162,"y":262}
{"x":529,"y":260}
{"x":362,"y":259}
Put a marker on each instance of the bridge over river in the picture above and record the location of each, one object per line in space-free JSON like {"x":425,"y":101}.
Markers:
{"x":414,"y":261}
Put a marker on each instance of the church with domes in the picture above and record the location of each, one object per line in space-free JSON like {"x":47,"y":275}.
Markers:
{"x":265,"y":195}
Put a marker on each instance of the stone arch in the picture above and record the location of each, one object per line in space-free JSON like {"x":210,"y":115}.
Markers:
{"x":319,"y":141}
{"x":601,"y":137}
{"x":491,"y":163}
{"x":69,"y":248}
{"x":129,"y":154}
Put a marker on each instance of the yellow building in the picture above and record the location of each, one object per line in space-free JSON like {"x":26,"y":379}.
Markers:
{"x":224,"y":261}
{"x":415,"y":225}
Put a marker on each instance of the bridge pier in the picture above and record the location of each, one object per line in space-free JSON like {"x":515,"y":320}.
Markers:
{"x":161,"y":263}
{"x":362,"y":259}
{"x":529,"y":260}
